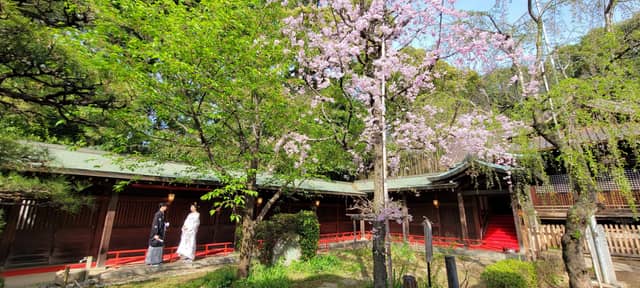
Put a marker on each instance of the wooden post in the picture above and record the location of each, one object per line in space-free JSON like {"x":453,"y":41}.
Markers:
{"x":409,"y":281}
{"x":516,"y":218}
{"x":437,"y":210}
{"x":99,"y":213}
{"x":355,"y":234}
{"x":362,"y":230}
{"x":216,"y":224}
{"x":405,"y":219}
{"x":106,"y":230}
{"x":463,"y":219}
{"x":476,"y":217}
{"x":9,"y":233}
{"x":452,"y":271}
{"x":338,"y":218}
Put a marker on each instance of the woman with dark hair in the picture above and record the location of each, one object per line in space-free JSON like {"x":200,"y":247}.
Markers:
{"x":187,"y":247}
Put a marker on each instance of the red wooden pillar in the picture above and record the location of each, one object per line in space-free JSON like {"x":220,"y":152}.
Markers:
{"x":106,"y":230}
{"x":463,"y":219}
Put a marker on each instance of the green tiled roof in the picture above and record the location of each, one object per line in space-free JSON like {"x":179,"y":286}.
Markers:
{"x":399,"y":183}
{"x":464,"y":165}
{"x":90,"y":162}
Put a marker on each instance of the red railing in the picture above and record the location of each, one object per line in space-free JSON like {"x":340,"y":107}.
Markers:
{"x":440,"y":241}
{"x":328,"y":238}
{"x":136,"y":256}
{"x":454,"y":242}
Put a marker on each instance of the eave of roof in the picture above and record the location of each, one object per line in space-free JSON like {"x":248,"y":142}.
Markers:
{"x":90,"y":162}
{"x":464,"y":165}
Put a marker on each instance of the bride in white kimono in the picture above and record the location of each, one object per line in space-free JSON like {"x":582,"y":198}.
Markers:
{"x":187,"y":248}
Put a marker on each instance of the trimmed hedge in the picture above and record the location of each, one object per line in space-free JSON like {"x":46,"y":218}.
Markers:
{"x":303,"y":223}
{"x":510,"y":273}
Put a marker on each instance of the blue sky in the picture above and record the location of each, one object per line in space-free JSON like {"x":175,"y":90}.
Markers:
{"x":515,"y":9}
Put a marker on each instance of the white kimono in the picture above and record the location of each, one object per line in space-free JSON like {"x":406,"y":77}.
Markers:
{"x":187,"y":247}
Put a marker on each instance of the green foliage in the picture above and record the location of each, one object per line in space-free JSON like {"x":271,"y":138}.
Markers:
{"x":54,"y":80}
{"x":55,"y":190}
{"x":304,"y":223}
{"x":591,"y":115}
{"x":309,"y":230}
{"x":231,"y":195}
{"x":220,"y":278}
{"x":14,"y":155}
{"x":510,"y":273}
{"x":276,"y":275}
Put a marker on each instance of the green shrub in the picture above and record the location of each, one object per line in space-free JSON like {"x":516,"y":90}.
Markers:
{"x":309,"y":230}
{"x":303,"y":223}
{"x":510,"y":273}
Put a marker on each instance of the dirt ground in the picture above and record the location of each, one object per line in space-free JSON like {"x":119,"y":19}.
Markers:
{"x":469,"y":268}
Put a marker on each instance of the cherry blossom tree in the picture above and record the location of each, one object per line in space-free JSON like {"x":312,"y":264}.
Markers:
{"x":351,"y":57}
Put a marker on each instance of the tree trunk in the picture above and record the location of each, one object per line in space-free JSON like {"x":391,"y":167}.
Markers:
{"x":573,"y":243}
{"x":379,"y":267}
{"x":246,"y":247}
{"x":608,"y":15}
{"x":247,"y":243}
{"x":379,"y":233}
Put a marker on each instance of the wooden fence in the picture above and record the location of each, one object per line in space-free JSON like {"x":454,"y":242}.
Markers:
{"x":623,"y":239}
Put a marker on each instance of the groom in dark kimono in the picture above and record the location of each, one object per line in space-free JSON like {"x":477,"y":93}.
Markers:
{"x":156,"y":237}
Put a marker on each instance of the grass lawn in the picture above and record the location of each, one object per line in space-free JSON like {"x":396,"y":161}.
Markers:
{"x":338,"y":268}
{"x":352,"y":268}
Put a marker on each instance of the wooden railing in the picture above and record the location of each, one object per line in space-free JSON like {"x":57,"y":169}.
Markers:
{"x":623,"y":240}
{"x":557,"y":200}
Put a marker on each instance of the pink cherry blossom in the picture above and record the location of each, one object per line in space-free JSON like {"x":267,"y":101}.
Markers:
{"x":339,"y":43}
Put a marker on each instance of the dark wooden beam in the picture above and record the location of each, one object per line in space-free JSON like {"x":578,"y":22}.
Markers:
{"x":405,"y":221}
{"x":463,"y":219}
{"x":476,"y":217}
{"x":484,"y":192}
{"x":168,"y":187}
{"x":516,"y":218}
{"x":103,"y":208}
{"x":106,"y":230}
{"x":9,"y":233}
